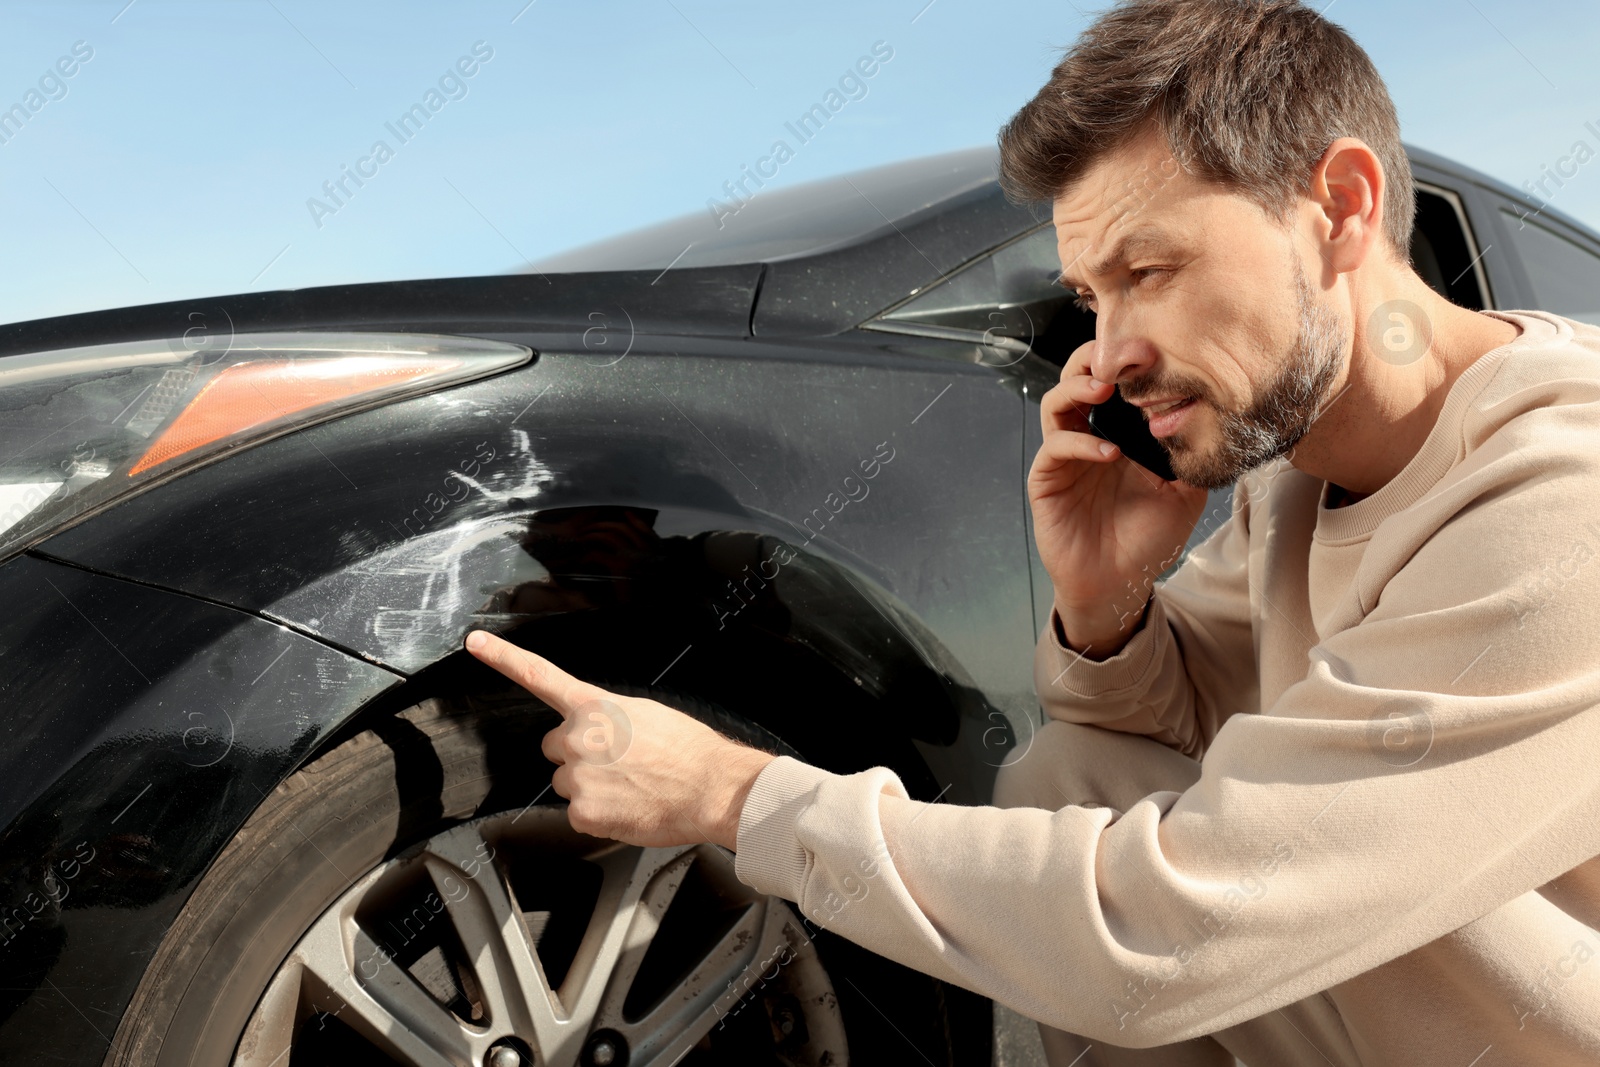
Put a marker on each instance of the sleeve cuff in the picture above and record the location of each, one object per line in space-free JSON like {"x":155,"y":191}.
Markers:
{"x":769,"y":856}
{"x":1064,"y":671}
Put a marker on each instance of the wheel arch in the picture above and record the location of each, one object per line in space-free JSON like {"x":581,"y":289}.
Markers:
{"x":819,"y":654}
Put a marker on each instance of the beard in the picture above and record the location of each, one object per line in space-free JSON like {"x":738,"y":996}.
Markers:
{"x":1279,"y":414}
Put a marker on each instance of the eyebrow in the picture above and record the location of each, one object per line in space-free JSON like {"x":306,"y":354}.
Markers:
{"x":1125,"y":248}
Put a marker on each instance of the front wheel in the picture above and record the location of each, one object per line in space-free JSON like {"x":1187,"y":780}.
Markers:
{"x":513,"y":940}
{"x":416,"y":896}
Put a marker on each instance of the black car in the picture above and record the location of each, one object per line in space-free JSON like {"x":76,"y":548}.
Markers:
{"x":256,"y":805}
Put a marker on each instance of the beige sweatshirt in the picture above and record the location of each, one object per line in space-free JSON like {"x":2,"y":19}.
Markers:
{"x":1396,"y":706}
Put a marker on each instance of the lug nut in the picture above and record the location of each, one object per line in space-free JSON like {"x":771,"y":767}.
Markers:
{"x":605,"y":1048}
{"x":503,"y":1056}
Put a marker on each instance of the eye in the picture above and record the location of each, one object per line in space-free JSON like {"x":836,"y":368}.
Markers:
{"x":1083,"y":303}
{"x":1141,"y":274}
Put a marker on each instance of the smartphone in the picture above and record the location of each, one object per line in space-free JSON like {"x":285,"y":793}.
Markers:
{"x":1123,"y":425}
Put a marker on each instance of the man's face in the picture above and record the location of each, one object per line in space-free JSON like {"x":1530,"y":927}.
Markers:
{"x":1204,"y":315}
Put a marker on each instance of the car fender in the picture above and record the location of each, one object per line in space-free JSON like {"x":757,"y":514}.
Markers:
{"x":142,"y":727}
{"x":624,"y":504}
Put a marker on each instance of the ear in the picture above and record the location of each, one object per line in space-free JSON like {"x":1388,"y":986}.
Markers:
{"x":1347,"y":189}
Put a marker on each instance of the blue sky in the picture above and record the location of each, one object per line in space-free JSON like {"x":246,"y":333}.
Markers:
{"x":178,"y":160}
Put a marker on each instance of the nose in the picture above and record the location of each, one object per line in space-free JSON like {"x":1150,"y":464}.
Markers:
{"x":1121,"y":350}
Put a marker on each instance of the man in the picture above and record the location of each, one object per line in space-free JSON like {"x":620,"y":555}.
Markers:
{"x":1329,"y":794}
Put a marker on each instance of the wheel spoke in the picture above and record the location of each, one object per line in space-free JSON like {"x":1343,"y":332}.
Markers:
{"x":747,"y":957}
{"x":657,"y":894}
{"x":378,"y":998}
{"x":620,"y":929}
{"x":489,"y":924}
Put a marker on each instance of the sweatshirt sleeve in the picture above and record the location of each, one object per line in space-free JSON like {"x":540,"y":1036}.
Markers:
{"x":1436,"y":761}
{"x":1191,"y":661}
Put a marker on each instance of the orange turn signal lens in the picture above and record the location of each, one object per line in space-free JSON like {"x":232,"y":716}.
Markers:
{"x":83,"y":428}
{"x":244,"y":396}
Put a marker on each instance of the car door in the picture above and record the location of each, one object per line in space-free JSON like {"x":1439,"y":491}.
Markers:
{"x":1551,"y":264}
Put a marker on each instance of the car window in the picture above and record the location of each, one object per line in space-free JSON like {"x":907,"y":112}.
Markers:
{"x":1565,"y":275}
{"x":1020,"y":273}
{"x":1011,"y":292}
{"x":1443,"y":252}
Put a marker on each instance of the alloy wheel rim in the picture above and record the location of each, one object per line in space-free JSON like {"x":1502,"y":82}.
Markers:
{"x":462,"y":980}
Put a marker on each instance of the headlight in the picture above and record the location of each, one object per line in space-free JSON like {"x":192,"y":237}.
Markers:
{"x":82,"y":427}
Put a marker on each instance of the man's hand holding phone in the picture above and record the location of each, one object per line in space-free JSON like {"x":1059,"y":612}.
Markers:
{"x":1104,"y":525}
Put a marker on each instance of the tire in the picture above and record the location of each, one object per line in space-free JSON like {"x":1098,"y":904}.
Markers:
{"x":366,"y":811}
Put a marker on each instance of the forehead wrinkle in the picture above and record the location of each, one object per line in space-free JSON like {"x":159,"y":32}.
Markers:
{"x":1122,"y":250}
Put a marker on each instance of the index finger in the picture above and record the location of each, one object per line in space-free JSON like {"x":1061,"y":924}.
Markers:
{"x":1066,"y":405}
{"x":533,"y":672}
